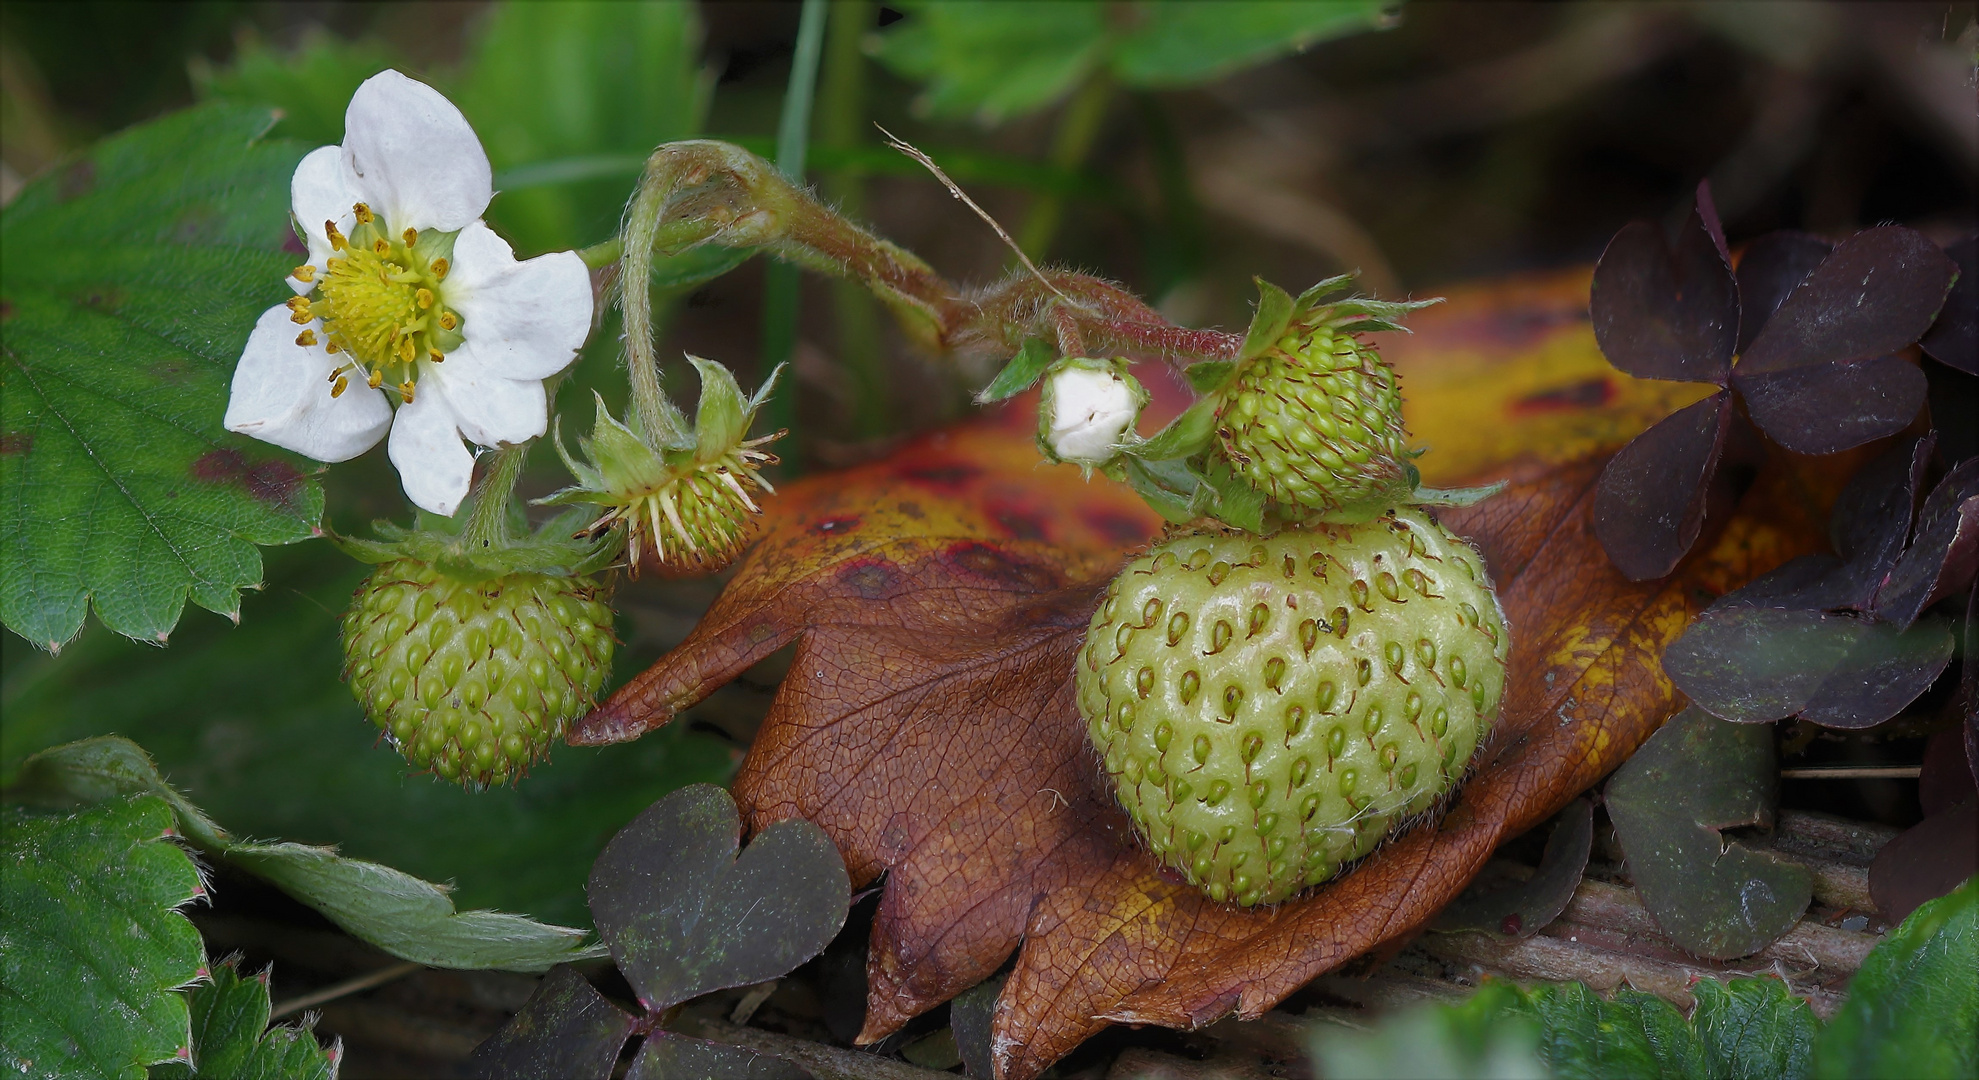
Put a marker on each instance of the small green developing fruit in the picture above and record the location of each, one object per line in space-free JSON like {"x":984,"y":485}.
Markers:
{"x":1269,"y":708}
{"x":475,"y":679}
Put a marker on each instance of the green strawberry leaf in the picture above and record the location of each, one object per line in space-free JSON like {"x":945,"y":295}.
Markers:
{"x":293,"y":757}
{"x":1490,"y":1036}
{"x":1913,"y":1006}
{"x":409,"y":918}
{"x":1021,"y":373}
{"x":1754,"y":1029}
{"x":92,"y":943}
{"x":997,"y":59}
{"x":231,"y":1038}
{"x":133,"y":275}
{"x":1586,"y":1037}
{"x":310,"y":86}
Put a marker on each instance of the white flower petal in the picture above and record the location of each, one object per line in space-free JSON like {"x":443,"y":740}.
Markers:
{"x":415,"y":156}
{"x":488,"y":409}
{"x":526,"y":320}
{"x":434,"y":466}
{"x":322,"y":190}
{"x":281,"y":395}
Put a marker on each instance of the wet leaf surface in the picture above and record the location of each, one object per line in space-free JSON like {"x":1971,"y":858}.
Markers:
{"x":1943,"y":557}
{"x":1521,"y":909}
{"x":937,"y":599}
{"x":1954,"y":338}
{"x":683,"y":915}
{"x":1876,"y":293}
{"x":1711,"y":894}
{"x":1668,"y":312}
{"x":565,"y":1029}
{"x":1770,"y":268}
{"x":1828,"y":407}
{"x":1650,"y":504}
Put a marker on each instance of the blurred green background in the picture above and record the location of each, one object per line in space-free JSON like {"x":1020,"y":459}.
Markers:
{"x":1466,"y":139}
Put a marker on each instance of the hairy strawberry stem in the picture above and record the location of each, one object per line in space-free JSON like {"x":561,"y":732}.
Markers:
{"x":707,"y":192}
{"x":487,"y":522}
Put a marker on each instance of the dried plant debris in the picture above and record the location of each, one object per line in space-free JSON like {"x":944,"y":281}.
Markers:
{"x":1671,"y":804}
{"x":1816,"y":332}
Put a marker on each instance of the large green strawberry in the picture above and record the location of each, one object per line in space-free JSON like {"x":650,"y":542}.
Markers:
{"x":475,"y":679}
{"x":1270,"y":708}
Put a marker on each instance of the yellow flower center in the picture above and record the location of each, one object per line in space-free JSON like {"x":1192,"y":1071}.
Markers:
{"x":381,"y":303}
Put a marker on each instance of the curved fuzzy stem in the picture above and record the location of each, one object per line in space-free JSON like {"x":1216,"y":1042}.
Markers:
{"x":487,"y":523}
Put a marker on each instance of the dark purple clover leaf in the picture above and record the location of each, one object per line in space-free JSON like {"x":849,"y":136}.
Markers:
{"x":1769,"y":270}
{"x":684,"y":916}
{"x":1668,"y":312}
{"x":1821,"y":374}
{"x":1875,"y":294}
{"x":1937,"y":854}
{"x":1832,"y":406}
{"x":667,"y":1056}
{"x":969,"y":1019}
{"x":1871,"y":519}
{"x":1954,"y":338}
{"x":1945,"y":552}
{"x":1754,"y":664}
{"x":566,"y":1029}
{"x":1649,"y":503}
{"x":1523,"y":908}
{"x":1711,"y":894}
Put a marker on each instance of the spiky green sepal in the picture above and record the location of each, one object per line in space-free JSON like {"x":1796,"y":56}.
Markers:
{"x":684,"y":496}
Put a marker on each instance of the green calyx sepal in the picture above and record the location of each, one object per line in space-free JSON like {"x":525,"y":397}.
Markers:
{"x":452,"y":548}
{"x":682,"y":493}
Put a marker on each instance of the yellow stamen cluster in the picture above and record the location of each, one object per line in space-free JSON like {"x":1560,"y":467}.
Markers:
{"x":381,"y":303}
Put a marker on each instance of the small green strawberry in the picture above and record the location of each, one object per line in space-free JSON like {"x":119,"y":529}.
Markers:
{"x":475,"y":643}
{"x":1270,"y":708}
{"x":1314,"y":419}
{"x":475,"y":679}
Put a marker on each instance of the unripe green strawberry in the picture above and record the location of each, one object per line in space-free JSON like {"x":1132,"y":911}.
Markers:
{"x":475,"y":679}
{"x":1269,"y":709}
{"x":1316,"y":420}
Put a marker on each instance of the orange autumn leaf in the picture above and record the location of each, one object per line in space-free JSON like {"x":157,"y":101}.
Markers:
{"x":928,"y":723}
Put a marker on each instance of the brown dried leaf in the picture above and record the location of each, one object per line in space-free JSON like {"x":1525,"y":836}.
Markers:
{"x":938,"y":597}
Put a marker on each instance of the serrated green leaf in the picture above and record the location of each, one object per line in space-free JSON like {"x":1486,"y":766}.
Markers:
{"x":1320,"y":290}
{"x":1753,"y":1029}
{"x":1635,"y":1036}
{"x":132,"y":277}
{"x":293,"y":757}
{"x":995,"y":59}
{"x":231,"y":1039}
{"x":1021,"y":373}
{"x":92,"y":943}
{"x":1490,"y":1036}
{"x":1913,"y":1006}
{"x":1185,"y":436}
{"x":1274,"y":313}
{"x":409,"y":918}
{"x":581,"y":77}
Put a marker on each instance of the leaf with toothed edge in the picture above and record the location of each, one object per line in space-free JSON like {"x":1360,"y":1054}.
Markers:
{"x":133,"y":275}
{"x":94,"y":940}
{"x":231,"y":1037}
{"x":409,"y":918}
{"x":1021,"y":373}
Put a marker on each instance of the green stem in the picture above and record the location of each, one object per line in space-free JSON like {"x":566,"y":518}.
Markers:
{"x":780,"y":280}
{"x":487,"y":523}
{"x":1078,"y":128}
{"x":603,"y":253}
{"x":841,"y":127}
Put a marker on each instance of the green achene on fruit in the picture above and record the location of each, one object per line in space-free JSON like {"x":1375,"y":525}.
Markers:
{"x":1269,"y":708}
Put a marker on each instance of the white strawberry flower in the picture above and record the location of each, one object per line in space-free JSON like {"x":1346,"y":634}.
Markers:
{"x":1088,"y":411}
{"x":408,"y":297}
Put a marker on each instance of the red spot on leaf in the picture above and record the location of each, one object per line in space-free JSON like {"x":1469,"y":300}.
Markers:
{"x":1512,"y":924}
{"x":16,"y":442}
{"x":949,"y":477}
{"x":273,"y":482}
{"x":1586,"y":394}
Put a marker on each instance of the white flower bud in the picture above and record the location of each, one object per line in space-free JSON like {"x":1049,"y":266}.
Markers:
{"x":1089,"y":407}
